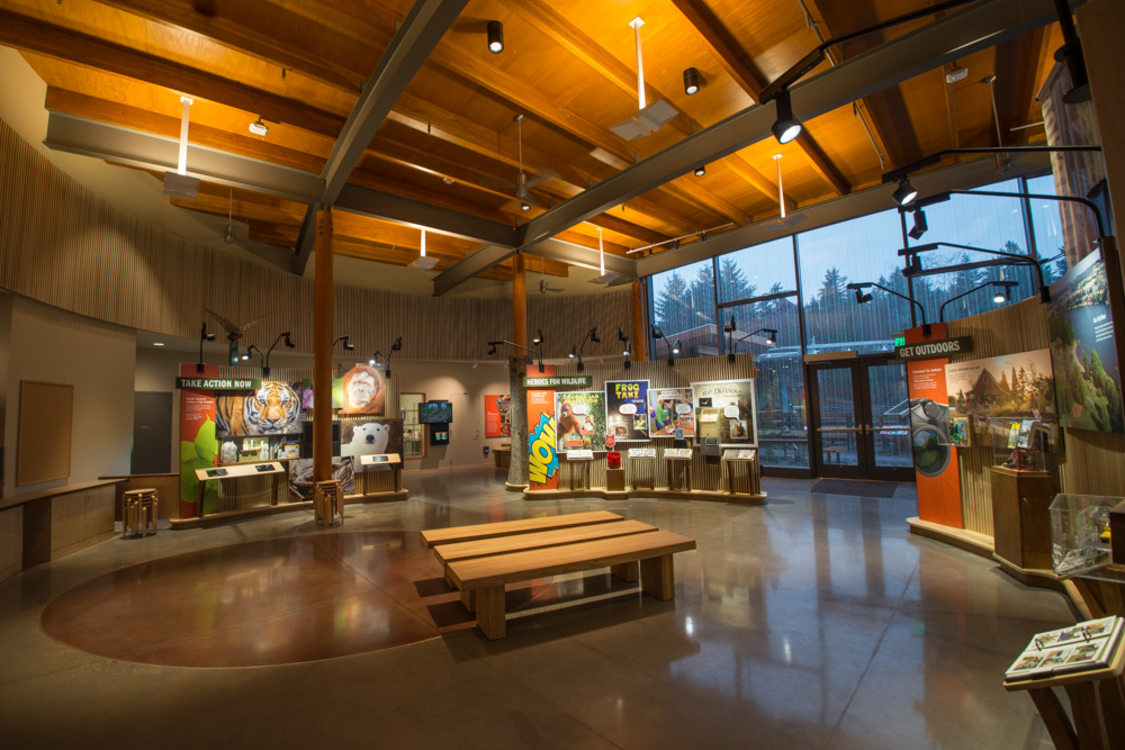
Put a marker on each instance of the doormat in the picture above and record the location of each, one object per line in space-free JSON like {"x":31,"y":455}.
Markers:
{"x":860,"y":488}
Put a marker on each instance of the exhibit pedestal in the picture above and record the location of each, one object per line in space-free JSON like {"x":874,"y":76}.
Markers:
{"x":1021,"y":521}
{"x":615,"y":480}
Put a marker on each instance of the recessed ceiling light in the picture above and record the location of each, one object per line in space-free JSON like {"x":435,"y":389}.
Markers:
{"x":700,"y":170}
{"x":158,"y":343}
{"x":259,"y":128}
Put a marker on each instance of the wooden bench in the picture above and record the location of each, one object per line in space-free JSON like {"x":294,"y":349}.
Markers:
{"x":433,"y":537}
{"x":648,"y":554}
{"x":447,"y":553}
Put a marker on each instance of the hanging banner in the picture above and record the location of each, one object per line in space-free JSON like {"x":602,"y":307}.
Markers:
{"x":497,"y":415}
{"x":935,"y":458}
{"x":198,"y":445}
{"x":580,"y":420}
{"x":626,"y":410}
{"x":543,"y":458}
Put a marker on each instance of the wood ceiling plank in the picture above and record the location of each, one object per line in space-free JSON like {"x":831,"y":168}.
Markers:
{"x":740,"y":65}
{"x":27,"y":33}
{"x":402,"y":257}
{"x":273,"y":234}
{"x":238,"y":26}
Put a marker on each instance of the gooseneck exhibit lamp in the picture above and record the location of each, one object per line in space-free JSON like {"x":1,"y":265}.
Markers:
{"x":348,"y":346}
{"x":861,"y":298}
{"x":914,"y":263}
{"x":378,"y":358}
{"x":1002,"y":294}
{"x":264,"y":359}
{"x":538,"y":340}
{"x":673,"y":348}
{"x":787,"y":127}
{"x":771,"y":339}
{"x":576,"y":349}
{"x":203,"y":336}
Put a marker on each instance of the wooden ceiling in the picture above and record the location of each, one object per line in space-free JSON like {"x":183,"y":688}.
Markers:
{"x":450,"y":139}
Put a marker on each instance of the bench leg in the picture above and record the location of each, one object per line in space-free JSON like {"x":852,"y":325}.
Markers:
{"x":490,"y":612}
{"x":629,"y":571}
{"x":658,"y":577}
{"x":469,"y":600}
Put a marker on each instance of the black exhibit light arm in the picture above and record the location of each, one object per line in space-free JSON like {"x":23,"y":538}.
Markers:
{"x":203,"y":336}
{"x":940,"y":197}
{"x":1009,"y":259}
{"x":504,"y":342}
{"x":896,"y":175}
{"x":816,"y":56}
{"x":1005,"y":285}
{"x":861,"y":298}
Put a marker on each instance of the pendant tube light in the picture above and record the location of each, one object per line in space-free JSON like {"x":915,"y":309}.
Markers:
{"x":181,"y":164}
{"x":637,"y":23}
{"x":780,"y":190}
{"x":422,"y":246}
{"x":601,"y":252}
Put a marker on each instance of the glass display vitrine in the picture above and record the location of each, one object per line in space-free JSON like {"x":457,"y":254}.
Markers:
{"x":413,"y":431}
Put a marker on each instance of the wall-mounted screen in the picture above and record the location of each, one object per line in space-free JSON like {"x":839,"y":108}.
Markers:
{"x":435,"y":412}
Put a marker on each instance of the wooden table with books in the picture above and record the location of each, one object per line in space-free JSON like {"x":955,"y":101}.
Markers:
{"x":1089,"y":669}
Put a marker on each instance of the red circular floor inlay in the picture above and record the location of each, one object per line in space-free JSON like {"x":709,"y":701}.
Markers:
{"x":269,"y":602}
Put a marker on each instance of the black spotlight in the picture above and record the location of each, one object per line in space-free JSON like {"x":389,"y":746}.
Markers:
{"x":904,"y":193}
{"x":691,"y":81}
{"x":920,"y":225}
{"x":786,"y":127}
{"x":860,"y":297}
{"x":495,"y":37}
{"x":700,"y":170}
{"x":525,"y":206}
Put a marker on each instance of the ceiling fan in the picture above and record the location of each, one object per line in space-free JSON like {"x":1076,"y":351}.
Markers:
{"x":523,"y":185}
{"x":545,"y":287}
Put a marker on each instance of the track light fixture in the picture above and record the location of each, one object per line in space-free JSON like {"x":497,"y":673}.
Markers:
{"x":495,"y":37}
{"x":860,"y":298}
{"x":905,"y":192}
{"x":786,"y":127}
{"x":573,"y":351}
{"x":492,"y":346}
{"x":348,"y":346}
{"x":920,"y":226}
{"x":701,"y":170}
{"x":626,"y":346}
{"x":691,"y":81}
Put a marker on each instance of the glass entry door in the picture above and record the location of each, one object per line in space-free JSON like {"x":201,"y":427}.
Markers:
{"x":861,"y":423}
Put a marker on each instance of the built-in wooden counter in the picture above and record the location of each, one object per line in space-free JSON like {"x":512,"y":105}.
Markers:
{"x":56,"y":521}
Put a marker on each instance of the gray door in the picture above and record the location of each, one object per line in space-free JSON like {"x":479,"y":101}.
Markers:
{"x":152,"y":432}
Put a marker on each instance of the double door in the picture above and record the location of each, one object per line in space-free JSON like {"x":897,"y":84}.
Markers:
{"x":861,"y":420}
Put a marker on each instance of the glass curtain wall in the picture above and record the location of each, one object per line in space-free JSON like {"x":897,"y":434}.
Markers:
{"x":682,"y":306}
{"x":797,"y":286}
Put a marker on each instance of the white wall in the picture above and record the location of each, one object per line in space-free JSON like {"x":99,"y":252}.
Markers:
{"x":45,"y":343}
{"x":465,"y":387}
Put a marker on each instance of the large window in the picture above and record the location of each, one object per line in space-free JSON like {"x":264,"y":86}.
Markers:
{"x":860,"y":250}
{"x":683,"y":307}
{"x":757,"y":271}
{"x":989,"y":223}
{"x":1046,"y":227}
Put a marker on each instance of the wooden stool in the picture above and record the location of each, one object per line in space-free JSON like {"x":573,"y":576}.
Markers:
{"x":138,"y":506}
{"x":328,"y":503}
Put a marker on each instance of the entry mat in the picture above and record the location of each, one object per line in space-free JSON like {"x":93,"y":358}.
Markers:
{"x":859,"y":488}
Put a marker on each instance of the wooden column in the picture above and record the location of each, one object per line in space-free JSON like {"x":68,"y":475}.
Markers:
{"x":640,"y":334}
{"x":322,"y":349}
{"x":519,"y":300}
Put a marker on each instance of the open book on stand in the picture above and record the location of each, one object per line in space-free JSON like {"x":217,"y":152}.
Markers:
{"x":1086,"y":645}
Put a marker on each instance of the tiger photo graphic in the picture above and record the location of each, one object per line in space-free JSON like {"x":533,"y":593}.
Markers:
{"x":273,"y":409}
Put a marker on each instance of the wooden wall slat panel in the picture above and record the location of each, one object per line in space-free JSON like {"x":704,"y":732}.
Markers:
{"x":66,"y":247}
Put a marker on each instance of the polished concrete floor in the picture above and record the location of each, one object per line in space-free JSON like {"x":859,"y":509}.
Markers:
{"x":815,"y":621}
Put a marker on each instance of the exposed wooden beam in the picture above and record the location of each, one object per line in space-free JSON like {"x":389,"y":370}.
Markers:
{"x":239,"y":26}
{"x":741,"y":66}
{"x":104,"y":110}
{"x":401,"y":257}
{"x":27,"y":33}
{"x":526,"y":96}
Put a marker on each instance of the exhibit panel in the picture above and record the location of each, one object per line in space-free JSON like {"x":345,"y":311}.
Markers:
{"x":697,"y":408}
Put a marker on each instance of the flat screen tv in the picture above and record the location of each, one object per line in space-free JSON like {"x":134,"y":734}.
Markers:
{"x":435,"y":412}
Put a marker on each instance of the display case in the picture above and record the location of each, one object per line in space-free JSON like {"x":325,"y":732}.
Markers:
{"x":1080,"y":536}
{"x":413,"y":431}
